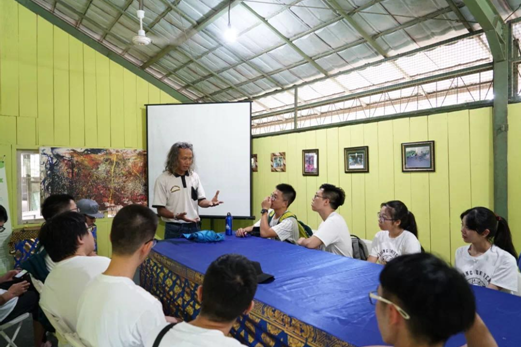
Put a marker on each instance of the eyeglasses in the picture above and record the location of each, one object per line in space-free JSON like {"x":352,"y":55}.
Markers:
{"x":318,"y":197}
{"x":373,"y":297}
{"x":154,"y":242}
{"x":382,"y":217}
{"x":2,"y":229}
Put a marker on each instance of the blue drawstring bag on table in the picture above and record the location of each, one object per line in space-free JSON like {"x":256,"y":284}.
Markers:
{"x":205,"y":236}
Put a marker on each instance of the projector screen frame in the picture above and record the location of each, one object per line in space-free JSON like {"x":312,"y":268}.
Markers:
{"x":211,"y":217}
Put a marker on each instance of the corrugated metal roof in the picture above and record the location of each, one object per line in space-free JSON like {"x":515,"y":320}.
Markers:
{"x":282,"y":43}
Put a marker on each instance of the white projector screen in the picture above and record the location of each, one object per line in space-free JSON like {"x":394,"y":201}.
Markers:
{"x":221,"y":136}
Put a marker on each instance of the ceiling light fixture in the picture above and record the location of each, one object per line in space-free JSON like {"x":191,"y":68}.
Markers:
{"x":230,"y":34}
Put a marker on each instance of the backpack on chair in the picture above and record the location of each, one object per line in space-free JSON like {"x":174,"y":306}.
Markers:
{"x":360,"y":250}
{"x":304,"y":230}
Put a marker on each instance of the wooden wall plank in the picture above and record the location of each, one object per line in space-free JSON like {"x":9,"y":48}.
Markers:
{"x":61,"y":88}
{"x":103,"y":100}
{"x":77,"y":106}
{"x":27,"y":63}
{"x":420,"y":188}
{"x":459,"y":173}
{"x":117,"y":119}
{"x":91,"y":103}
{"x":130,"y":106}
{"x":9,"y":59}
{"x":439,"y":193}
{"x":45,"y":83}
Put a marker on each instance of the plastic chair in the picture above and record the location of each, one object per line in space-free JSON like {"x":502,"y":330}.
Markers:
{"x":15,"y":322}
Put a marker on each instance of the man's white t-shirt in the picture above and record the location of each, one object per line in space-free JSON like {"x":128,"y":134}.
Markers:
{"x":386,"y":248}
{"x":114,"y":312}
{"x":188,"y":335}
{"x":495,"y":266}
{"x":66,"y":282}
{"x":335,"y":236}
{"x":179,"y":194}
{"x":285,"y":230}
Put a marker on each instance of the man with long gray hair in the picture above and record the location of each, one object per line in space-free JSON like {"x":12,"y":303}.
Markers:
{"x":178,"y":192}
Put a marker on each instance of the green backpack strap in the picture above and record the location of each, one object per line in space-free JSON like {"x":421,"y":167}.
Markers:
{"x":301,"y":230}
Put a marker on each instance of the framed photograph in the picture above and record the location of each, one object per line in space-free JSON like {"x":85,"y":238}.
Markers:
{"x":418,"y":156}
{"x":254,"y":165}
{"x":278,"y":162}
{"x":310,"y":162}
{"x":356,"y":159}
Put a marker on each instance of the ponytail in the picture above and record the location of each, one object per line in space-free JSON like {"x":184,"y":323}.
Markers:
{"x":399,"y":211}
{"x":480,"y":219}
{"x":503,"y":237}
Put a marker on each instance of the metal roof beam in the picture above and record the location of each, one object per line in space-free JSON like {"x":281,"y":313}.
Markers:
{"x":337,"y":50}
{"x":490,"y":20}
{"x":118,"y":17}
{"x":286,"y":40}
{"x":194,"y":29}
{"x":460,"y":15}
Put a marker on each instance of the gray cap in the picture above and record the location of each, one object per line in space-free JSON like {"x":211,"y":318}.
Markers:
{"x":89,"y":208}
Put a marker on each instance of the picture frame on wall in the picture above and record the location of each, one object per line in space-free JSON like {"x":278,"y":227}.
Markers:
{"x":254,"y":163}
{"x":418,"y":156}
{"x":356,"y":159}
{"x":310,"y":162}
{"x":278,"y":162}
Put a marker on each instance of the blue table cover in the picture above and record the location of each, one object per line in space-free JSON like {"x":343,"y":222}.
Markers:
{"x":327,"y":292}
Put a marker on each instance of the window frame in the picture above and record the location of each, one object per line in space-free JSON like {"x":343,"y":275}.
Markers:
{"x":19,"y":194}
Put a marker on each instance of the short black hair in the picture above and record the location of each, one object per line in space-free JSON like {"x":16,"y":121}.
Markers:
{"x":229,"y":286}
{"x":59,"y":235}
{"x":336,"y":195}
{"x":133,"y":226}
{"x":3,"y":214}
{"x":55,"y":204}
{"x":436,"y":296}
{"x":288,"y":193}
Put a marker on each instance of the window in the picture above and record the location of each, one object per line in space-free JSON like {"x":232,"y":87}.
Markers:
{"x":28,"y":162}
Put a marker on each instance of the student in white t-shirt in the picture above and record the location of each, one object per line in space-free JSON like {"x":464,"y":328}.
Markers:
{"x":273,"y":208}
{"x":398,"y":235}
{"x":113,"y":311}
{"x":490,"y":259}
{"x":68,"y":241}
{"x":333,"y":234}
{"x":422,"y":301}
{"x":227,"y":292}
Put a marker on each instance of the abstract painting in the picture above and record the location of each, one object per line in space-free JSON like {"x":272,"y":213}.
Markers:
{"x":113,"y":178}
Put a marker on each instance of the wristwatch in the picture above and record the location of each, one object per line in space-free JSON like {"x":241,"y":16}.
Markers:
{"x":263,"y":211}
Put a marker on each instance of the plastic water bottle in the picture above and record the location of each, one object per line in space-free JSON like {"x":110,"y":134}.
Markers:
{"x":229,"y":220}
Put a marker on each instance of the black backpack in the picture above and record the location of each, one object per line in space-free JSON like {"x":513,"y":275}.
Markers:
{"x":359,"y":248}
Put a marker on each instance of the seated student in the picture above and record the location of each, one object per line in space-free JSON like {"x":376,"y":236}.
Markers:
{"x":68,"y":242}
{"x":332,"y":235}
{"x":15,"y":299}
{"x":421,"y":301}
{"x":40,"y":264}
{"x":277,"y":222}
{"x":399,"y":233}
{"x":113,"y":310}
{"x":490,"y":259}
{"x":227,"y":292}
{"x":90,"y":209}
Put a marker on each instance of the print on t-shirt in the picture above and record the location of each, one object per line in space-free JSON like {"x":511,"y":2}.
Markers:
{"x":478,"y":277}
{"x":387,"y":255}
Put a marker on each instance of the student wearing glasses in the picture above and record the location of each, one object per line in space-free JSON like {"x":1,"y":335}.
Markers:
{"x":332,"y":234}
{"x":276,"y":221}
{"x":421,"y":301}
{"x":113,"y":310}
{"x":490,"y":259}
{"x":398,"y":235}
